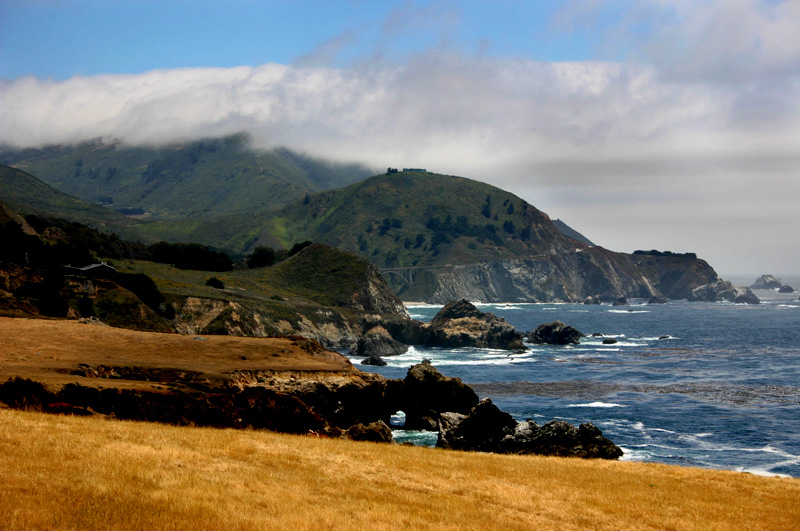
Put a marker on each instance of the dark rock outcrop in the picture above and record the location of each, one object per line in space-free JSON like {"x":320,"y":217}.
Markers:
{"x":786,"y":289}
{"x":657,"y":300}
{"x":620,"y":301}
{"x":555,"y":333}
{"x":723,"y":290}
{"x":592,"y":300}
{"x":461,"y":324}
{"x":488,"y":429}
{"x":609,"y":341}
{"x":560,"y":438}
{"x":374,"y":360}
{"x":427,"y":393}
{"x":767,"y":282}
{"x":376,"y":431}
{"x":481,"y":430}
{"x":377,"y":342}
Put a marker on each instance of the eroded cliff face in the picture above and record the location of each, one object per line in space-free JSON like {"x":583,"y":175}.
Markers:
{"x":331,"y":327}
{"x":564,"y":275}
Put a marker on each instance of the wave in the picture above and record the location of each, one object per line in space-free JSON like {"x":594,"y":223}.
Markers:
{"x":629,"y":311}
{"x":597,"y":404}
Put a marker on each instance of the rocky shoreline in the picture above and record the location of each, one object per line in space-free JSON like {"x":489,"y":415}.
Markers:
{"x":350,"y":404}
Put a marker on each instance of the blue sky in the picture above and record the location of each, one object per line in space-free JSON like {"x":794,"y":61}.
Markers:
{"x":667,"y":124}
{"x":51,"y":39}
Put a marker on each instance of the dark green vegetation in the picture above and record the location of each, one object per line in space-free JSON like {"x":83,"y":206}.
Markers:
{"x":194,"y":180}
{"x":664,"y":253}
{"x":406,"y":219}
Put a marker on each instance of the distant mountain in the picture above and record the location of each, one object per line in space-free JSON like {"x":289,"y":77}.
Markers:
{"x":566,"y":230}
{"x":194,"y":180}
{"x":437,"y":238}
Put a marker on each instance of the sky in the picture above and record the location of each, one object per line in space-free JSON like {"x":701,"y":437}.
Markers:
{"x":643,"y":124}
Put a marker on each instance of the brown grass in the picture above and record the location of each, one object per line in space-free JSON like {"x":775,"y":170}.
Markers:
{"x":47,"y":350}
{"x":91,"y":473}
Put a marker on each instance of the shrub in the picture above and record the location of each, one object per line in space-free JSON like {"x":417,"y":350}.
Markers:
{"x":214,"y":282}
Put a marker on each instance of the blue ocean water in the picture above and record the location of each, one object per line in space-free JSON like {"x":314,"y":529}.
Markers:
{"x":721,"y":391}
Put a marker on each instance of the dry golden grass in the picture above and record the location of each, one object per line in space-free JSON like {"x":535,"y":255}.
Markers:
{"x":90,"y":473}
{"x":46,"y":350}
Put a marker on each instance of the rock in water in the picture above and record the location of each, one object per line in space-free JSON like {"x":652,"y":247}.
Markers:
{"x":592,"y":300}
{"x":488,"y":429}
{"x":480,"y":431}
{"x":461,"y":324}
{"x":723,"y":290}
{"x":555,"y":333}
{"x":377,"y":342}
{"x":767,"y":282}
{"x":657,"y":300}
{"x":620,"y":301}
{"x":374,"y":360}
{"x":427,"y":393}
{"x":786,"y":289}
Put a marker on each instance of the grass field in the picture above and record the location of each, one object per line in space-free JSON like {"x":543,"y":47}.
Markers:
{"x":90,"y":473}
{"x":47,"y":350}
{"x":76,"y":473}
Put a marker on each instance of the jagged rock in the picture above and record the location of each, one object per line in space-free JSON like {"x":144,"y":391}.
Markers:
{"x":657,"y":300}
{"x":767,"y":282}
{"x":723,"y":290}
{"x":488,"y":429}
{"x":377,"y":342}
{"x":480,"y":431}
{"x":592,"y":299}
{"x":427,"y":393}
{"x":376,"y":431}
{"x":559,"y":438}
{"x":786,"y":289}
{"x":461,"y":324}
{"x":374,"y":360}
{"x":555,"y":333}
{"x":620,"y":301}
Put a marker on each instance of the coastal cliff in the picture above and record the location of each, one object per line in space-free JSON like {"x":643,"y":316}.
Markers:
{"x":570,"y":276}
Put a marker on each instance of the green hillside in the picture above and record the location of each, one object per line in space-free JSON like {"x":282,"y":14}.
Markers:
{"x":411,"y":219}
{"x":198,"y":179}
{"x":29,"y":195}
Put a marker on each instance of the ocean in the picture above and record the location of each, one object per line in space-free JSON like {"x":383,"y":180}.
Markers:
{"x":713,"y":385}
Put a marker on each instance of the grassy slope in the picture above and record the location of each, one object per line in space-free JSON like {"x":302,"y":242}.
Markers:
{"x":318,"y":275}
{"x":48,"y":350}
{"x":27,"y":194}
{"x":88,"y":473}
{"x":353,"y":218}
{"x":203,"y":178}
